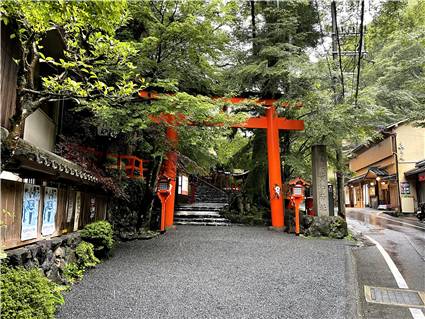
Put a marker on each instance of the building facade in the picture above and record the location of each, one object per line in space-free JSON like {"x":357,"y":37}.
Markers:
{"x":383,"y":170}
{"x":43,"y":195}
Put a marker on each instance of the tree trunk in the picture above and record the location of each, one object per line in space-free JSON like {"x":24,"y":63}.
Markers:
{"x":150,"y":194}
{"x":340,"y":181}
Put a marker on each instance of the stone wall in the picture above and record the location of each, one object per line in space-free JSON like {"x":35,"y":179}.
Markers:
{"x":51,"y":255}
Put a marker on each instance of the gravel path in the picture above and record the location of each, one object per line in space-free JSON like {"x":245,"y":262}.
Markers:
{"x":217,"y":272}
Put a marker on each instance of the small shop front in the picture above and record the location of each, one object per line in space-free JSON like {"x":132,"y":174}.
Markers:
{"x":416,"y":177}
{"x":375,"y":189}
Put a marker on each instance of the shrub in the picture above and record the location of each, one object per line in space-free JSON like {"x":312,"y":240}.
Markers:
{"x":100,"y":235}
{"x":73,"y":272}
{"x":86,"y":257}
{"x":28,"y":294}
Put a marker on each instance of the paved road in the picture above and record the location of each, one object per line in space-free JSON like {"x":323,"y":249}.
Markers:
{"x":404,"y":240}
{"x":219,"y":272}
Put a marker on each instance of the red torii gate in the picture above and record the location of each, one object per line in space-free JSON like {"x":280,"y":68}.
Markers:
{"x":271,"y":122}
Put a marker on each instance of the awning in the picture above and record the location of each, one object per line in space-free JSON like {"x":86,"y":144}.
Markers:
{"x":415,"y":171}
{"x":372,"y":174}
{"x":356,"y":179}
{"x":389,"y":178}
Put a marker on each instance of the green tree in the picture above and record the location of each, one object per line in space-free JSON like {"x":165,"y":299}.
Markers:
{"x":394,"y":75}
{"x":95,"y":68}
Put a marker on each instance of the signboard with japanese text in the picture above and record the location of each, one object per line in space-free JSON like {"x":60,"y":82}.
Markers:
{"x":31,"y":202}
{"x":183,"y":185}
{"x":70,"y":207}
{"x":405,"y":188}
{"x":92,"y":207}
{"x":49,"y":211}
{"x":77,"y":210}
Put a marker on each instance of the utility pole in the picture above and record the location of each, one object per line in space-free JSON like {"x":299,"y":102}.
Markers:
{"x":336,"y":55}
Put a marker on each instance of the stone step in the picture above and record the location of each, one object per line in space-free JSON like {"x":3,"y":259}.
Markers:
{"x":201,"y":207}
{"x":202,"y":223}
{"x":186,"y":213}
{"x":198,"y":209}
{"x":202,"y":219}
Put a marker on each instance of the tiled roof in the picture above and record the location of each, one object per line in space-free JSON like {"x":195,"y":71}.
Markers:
{"x":28,"y":156}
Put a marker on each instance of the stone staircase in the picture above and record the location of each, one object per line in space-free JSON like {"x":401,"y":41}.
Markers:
{"x":205,"y":211}
{"x":208,"y":194}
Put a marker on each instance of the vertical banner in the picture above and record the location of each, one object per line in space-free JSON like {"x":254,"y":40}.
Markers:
{"x":49,"y":211}
{"x":77,"y":210}
{"x":92,"y":207}
{"x":185,"y":185}
{"x":31,"y":202}
{"x":70,"y":207}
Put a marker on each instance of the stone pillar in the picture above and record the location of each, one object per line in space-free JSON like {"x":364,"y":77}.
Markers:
{"x":320,"y":180}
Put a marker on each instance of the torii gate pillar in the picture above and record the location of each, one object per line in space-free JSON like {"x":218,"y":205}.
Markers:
{"x":171,"y":172}
{"x":275,"y":178}
{"x":271,"y":122}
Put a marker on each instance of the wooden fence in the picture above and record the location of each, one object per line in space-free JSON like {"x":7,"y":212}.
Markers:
{"x":70,"y":202}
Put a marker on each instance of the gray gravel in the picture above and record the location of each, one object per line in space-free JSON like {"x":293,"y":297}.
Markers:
{"x":217,"y":272}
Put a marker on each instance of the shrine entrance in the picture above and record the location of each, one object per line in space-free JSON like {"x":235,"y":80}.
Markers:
{"x":271,"y":122}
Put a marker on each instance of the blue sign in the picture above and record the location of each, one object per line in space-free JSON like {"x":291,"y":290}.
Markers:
{"x":49,"y":211}
{"x":31,"y":201}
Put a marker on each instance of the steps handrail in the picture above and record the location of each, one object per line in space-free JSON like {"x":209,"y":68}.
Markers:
{"x":209,"y":184}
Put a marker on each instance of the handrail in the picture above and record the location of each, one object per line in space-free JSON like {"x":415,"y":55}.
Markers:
{"x":209,"y":184}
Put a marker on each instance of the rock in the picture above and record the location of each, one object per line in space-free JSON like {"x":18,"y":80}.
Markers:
{"x":70,"y":255}
{"x":59,"y":252}
{"x":33,"y":250}
{"x":127,"y":235}
{"x":55,"y":242}
{"x":327,"y":226}
{"x":73,"y":240}
{"x":43,"y":248}
{"x":31,"y":263}
{"x":306,"y":220}
{"x":18,"y":256}
{"x":45,"y":266}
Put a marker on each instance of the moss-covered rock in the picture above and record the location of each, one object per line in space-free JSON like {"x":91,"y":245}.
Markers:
{"x":325,"y":226}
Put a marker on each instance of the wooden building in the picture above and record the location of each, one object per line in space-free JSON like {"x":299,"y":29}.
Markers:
{"x":379,"y":169}
{"x":43,"y":195}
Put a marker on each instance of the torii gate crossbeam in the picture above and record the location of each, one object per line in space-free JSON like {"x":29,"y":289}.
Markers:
{"x":271,"y":122}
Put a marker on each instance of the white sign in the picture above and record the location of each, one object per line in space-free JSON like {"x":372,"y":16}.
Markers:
{"x":31,"y":202}
{"x":49,"y":211}
{"x":70,"y":207}
{"x":77,"y":210}
{"x":183,"y":185}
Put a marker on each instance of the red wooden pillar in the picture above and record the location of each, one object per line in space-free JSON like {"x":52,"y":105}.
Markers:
{"x":171,"y":172}
{"x":275,"y":179}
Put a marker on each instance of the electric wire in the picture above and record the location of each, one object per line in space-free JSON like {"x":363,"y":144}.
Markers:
{"x":359,"y":53}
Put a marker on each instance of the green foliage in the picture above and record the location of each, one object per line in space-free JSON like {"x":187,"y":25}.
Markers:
{"x":100,"y":234}
{"x":86,"y":257}
{"x":251,"y":219}
{"x":74,"y":272}
{"x":394,"y":76}
{"x":180,"y":41}
{"x":28,"y":294}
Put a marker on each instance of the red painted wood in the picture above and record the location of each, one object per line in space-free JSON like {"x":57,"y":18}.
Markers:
{"x":171,"y":172}
{"x":271,"y":122}
{"x":275,"y":178}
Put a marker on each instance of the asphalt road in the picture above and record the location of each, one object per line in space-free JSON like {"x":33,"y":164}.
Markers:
{"x":219,"y":272}
{"x":404,"y":240}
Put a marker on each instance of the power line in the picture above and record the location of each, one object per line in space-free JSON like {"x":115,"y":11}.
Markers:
{"x":360,"y":52}
{"x":335,"y":32}
{"x":322,"y":39}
